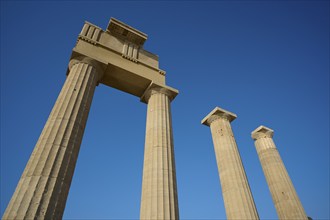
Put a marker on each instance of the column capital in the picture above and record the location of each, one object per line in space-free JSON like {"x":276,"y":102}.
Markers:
{"x":217,"y":113}
{"x":83,"y":59}
{"x":154,"y":88}
{"x":262,"y":132}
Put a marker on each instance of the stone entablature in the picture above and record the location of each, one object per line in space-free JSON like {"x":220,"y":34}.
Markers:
{"x":101,"y":57}
{"x":128,"y":67}
{"x":126,"y":32}
{"x":130,"y":47}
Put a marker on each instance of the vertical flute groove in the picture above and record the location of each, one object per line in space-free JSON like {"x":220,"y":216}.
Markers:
{"x":237,"y":197}
{"x":159,"y":203}
{"x":285,"y":198}
{"x":43,"y":188}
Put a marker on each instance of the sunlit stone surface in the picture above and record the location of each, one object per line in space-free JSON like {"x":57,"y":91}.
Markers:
{"x":285,"y":198}
{"x":114,"y":57}
{"x":238,"y":200}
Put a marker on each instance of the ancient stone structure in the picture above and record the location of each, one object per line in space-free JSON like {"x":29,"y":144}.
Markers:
{"x":116,"y":58}
{"x":285,"y":198}
{"x":159,"y":196}
{"x":238,"y":200}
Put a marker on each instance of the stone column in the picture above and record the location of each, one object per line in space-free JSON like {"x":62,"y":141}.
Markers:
{"x":238,"y":200}
{"x":159,"y":198}
{"x":44,"y":185}
{"x":285,"y":198}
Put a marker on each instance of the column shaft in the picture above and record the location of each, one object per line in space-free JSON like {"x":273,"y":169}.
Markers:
{"x":236,"y":192}
{"x":285,"y":198}
{"x":44,"y":185}
{"x":159,"y":192}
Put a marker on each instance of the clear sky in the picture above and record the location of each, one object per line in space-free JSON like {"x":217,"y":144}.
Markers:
{"x":266,"y":61}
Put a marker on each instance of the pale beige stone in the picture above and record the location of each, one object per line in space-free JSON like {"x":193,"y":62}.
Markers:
{"x":130,"y":67}
{"x":159,"y":198}
{"x":44,"y":185}
{"x":285,"y":198}
{"x":116,"y":58}
{"x":238,"y":200}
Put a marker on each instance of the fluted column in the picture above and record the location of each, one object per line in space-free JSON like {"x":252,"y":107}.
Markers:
{"x":159,"y":198}
{"x":44,"y":185}
{"x":285,"y":198}
{"x":238,"y":200}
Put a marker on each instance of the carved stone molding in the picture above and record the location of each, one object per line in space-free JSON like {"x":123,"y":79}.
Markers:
{"x":154,"y":88}
{"x":82,"y":59}
{"x":90,"y":33}
{"x":218,"y":113}
{"x":262,"y":132}
{"x":126,"y":32}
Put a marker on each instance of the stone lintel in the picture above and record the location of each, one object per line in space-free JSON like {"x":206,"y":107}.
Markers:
{"x":218,"y":112}
{"x":262,"y":131}
{"x":153,"y":87}
{"x":126,"y":32}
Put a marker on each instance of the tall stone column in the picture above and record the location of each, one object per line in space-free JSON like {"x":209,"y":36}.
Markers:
{"x":44,"y":185}
{"x":159,"y":198}
{"x":238,"y":200}
{"x":285,"y":198}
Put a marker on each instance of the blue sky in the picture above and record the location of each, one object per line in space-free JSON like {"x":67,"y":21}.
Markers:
{"x":266,"y":61}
